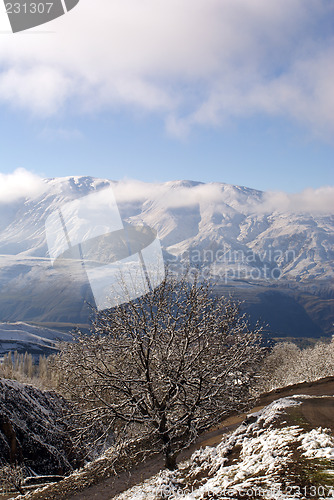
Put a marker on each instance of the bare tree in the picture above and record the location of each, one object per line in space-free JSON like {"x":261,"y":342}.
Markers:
{"x":165,"y":367}
{"x":287,"y":364}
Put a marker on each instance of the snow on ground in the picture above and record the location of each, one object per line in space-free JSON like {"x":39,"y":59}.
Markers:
{"x":25,"y":332}
{"x":318,"y":443}
{"x":251,"y":462}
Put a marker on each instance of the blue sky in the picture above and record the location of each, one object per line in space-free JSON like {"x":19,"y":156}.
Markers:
{"x":236,"y":91}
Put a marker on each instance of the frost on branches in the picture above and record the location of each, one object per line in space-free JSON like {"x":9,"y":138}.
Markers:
{"x":287,"y":364}
{"x":163,"y":368}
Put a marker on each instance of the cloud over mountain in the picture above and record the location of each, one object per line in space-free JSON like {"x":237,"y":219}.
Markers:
{"x":188,"y":193}
{"x":310,"y":201}
{"x":24,"y":184}
{"x":19,"y":184}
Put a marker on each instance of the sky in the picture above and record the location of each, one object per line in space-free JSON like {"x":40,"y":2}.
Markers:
{"x":235,"y":91}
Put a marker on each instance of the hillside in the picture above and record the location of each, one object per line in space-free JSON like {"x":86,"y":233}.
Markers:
{"x":33,"y":430}
{"x":280,"y":262}
{"x":283,"y":442}
{"x":22,"y":337}
{"x":280,"y":450}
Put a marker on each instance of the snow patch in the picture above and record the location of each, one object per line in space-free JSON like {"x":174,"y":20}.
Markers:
{"x":264,"y":450}
{"x":318,"y":443}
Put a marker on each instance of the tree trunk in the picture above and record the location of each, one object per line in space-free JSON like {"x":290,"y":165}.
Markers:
{"x":170,"y":461}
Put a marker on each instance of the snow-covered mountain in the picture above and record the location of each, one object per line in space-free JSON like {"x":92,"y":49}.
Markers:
{"x":190,"y":217}
{"x":228,"y":231}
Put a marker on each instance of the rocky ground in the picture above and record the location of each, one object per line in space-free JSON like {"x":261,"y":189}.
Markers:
{"x":33,"y":430}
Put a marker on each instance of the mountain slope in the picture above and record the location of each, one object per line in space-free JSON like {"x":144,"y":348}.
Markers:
{"x":278,"y":452}
{"x":22,"y":337}
{"x":227,"y":231}
{"x":104,"y":479}
{"x":188,"y":219}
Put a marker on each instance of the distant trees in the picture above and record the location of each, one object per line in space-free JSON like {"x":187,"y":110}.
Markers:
{"x":24,"y":368}
{"x":287,"y":364}
{"x":163,"y":368}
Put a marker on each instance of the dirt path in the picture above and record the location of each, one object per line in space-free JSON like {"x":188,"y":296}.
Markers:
{"x":321,"y":415}
{"x":323,"y":387}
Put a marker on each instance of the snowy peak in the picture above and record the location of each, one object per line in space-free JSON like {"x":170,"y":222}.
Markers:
{"x":190,"y":217}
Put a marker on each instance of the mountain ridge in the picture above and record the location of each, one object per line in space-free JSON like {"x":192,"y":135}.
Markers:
{"x":229,"y":232}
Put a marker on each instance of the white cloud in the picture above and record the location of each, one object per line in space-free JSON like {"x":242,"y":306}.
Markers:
{"x":22,"y":183}
{"x":40,"y":89}
{"x":194,"y":62}
{"x":19,"y":184}
{"x":310,"y":200}
{"x":169,"y":194}
{"x":179,"y":194}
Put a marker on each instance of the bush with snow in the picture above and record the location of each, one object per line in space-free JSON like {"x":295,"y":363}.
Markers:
{"x":287,"y":364}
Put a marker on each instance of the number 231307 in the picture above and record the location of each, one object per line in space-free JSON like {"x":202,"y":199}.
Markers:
{"x":29,"y":8}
